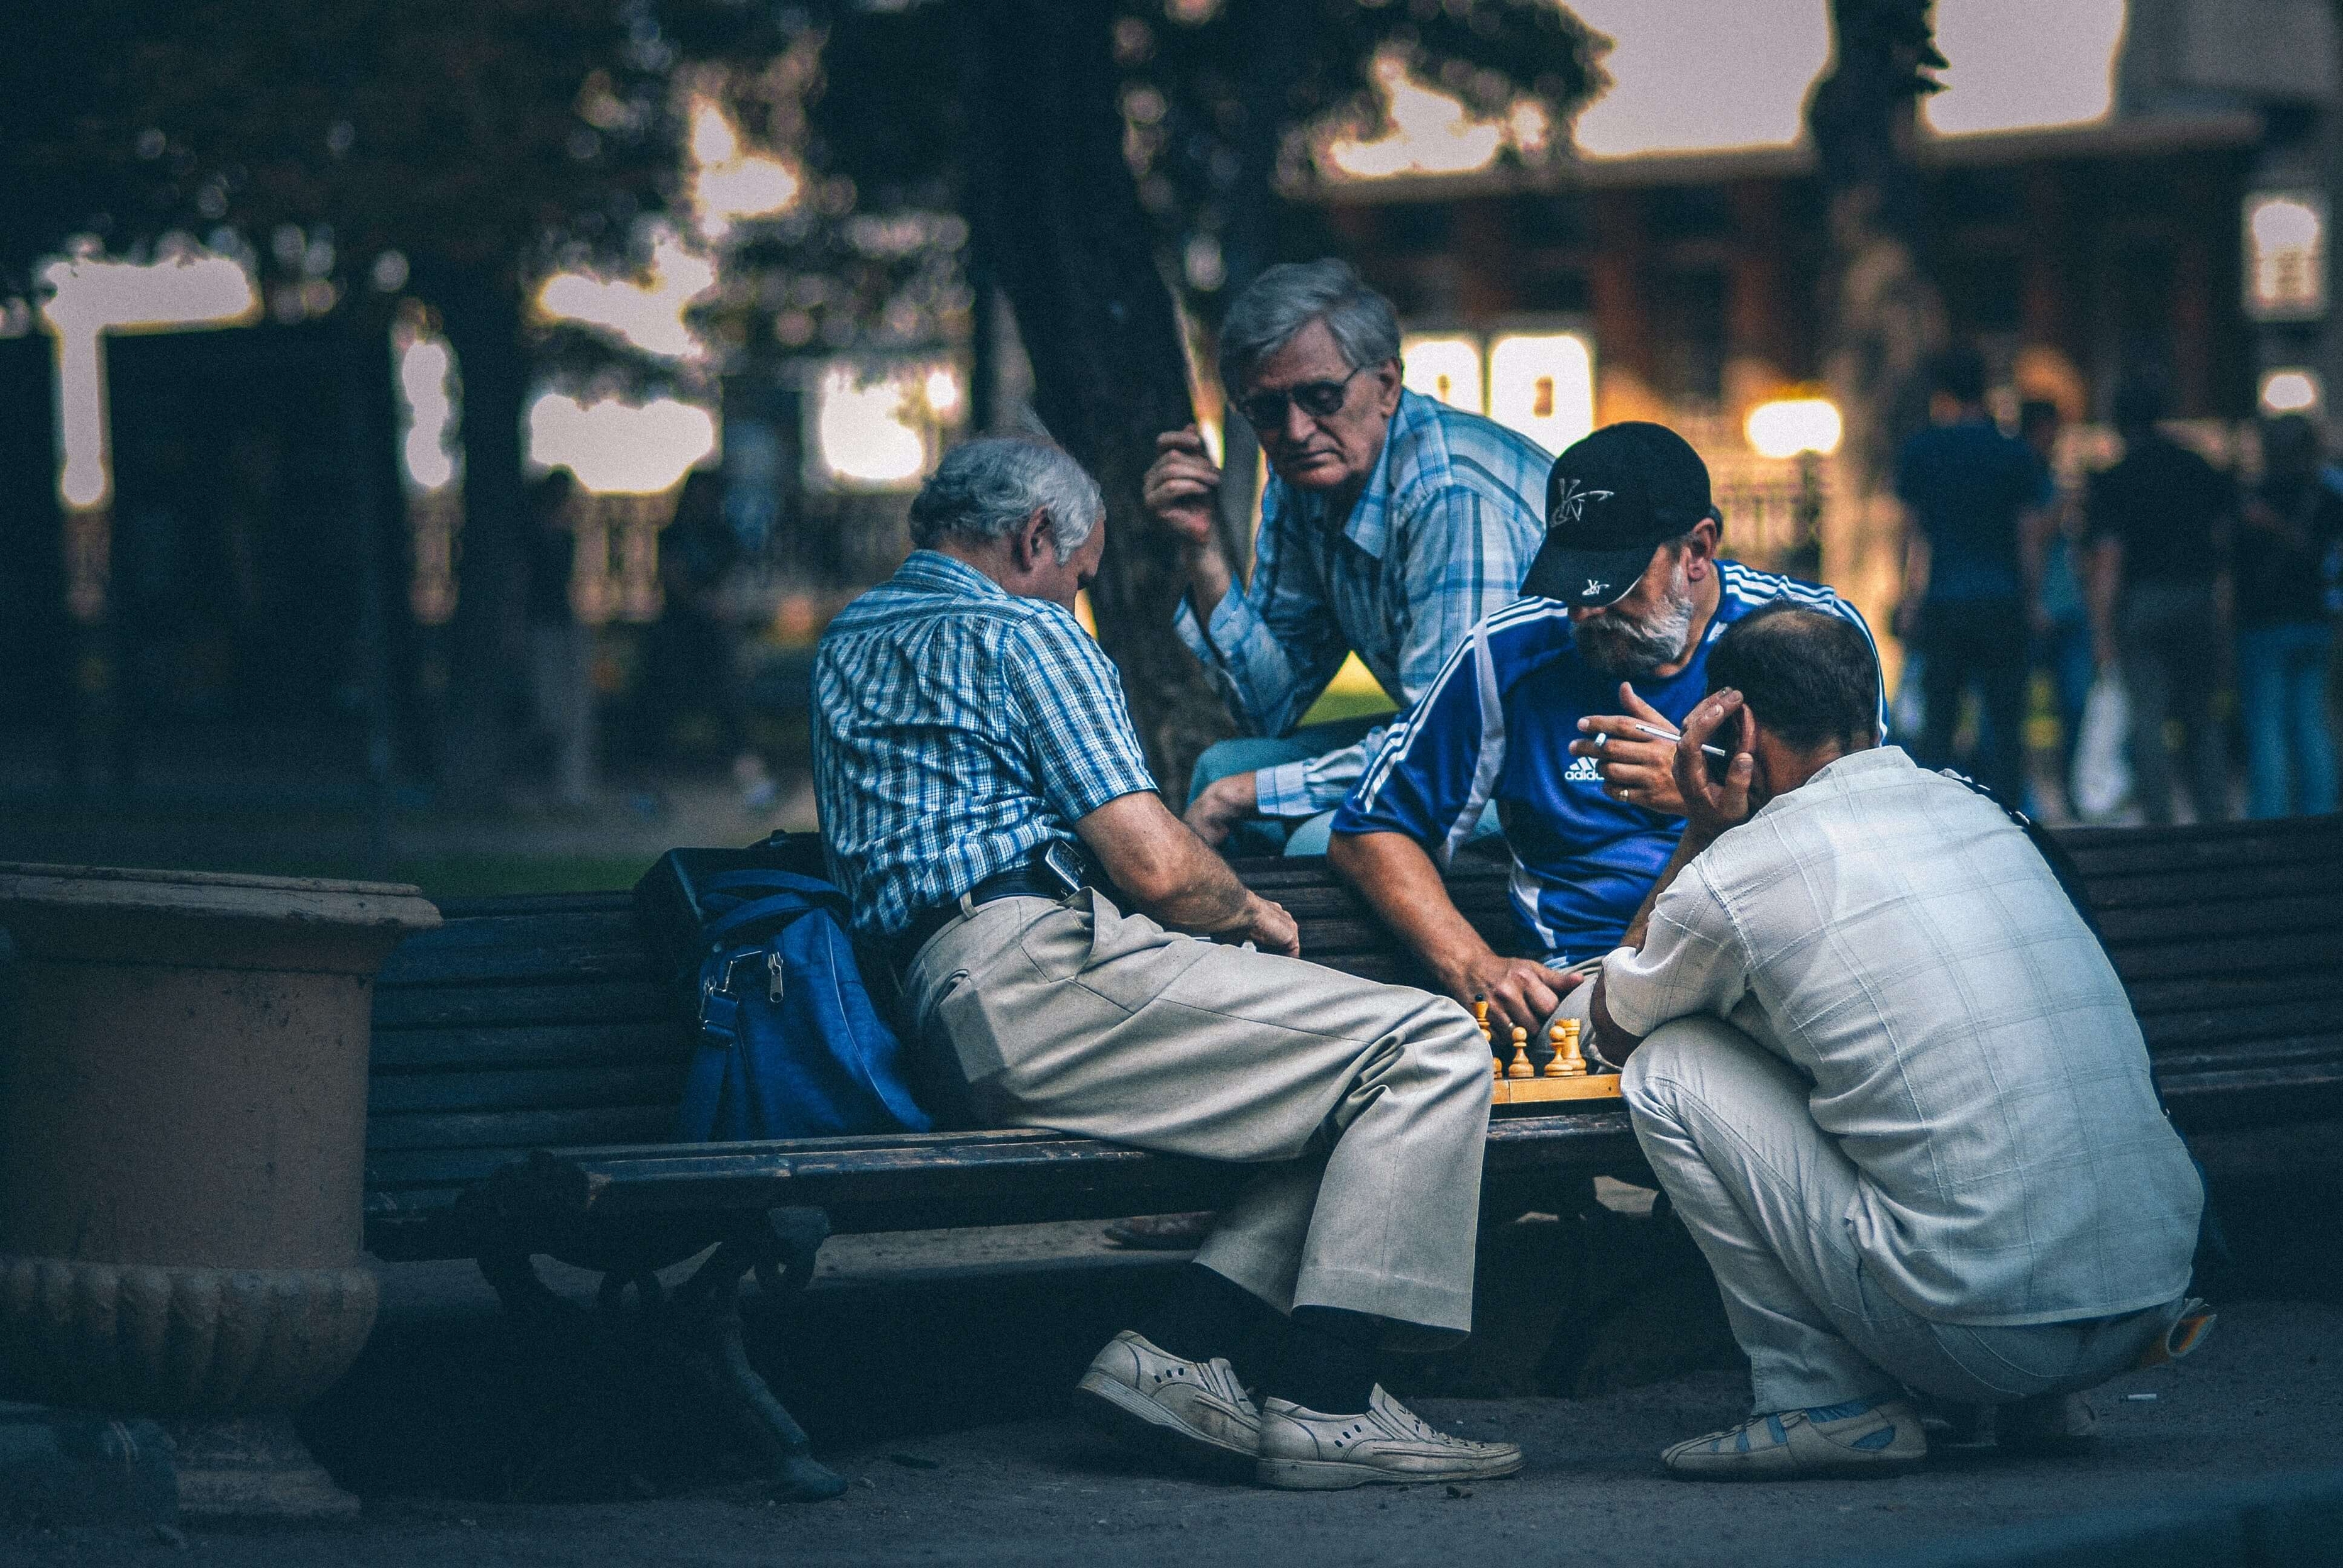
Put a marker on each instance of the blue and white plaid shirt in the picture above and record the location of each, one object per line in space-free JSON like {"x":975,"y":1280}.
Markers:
{"x":1442,"y":536}
{"x":957,"y":729}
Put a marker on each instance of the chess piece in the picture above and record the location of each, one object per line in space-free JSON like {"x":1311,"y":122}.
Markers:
{"x":1567,"y":1062}
{"x":1520,"y":1066}
{"x":1481,"y":1017}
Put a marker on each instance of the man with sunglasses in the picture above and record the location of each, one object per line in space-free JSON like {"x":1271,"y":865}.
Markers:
{"x":1391,"y":524}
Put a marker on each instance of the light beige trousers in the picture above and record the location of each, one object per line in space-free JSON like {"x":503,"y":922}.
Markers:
{"x":1367,"y":1104}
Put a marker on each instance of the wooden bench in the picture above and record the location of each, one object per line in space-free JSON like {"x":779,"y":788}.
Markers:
{"x":529,"y":1057}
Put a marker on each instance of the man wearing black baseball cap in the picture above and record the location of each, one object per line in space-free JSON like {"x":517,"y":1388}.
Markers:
{"x":1563,"y":710}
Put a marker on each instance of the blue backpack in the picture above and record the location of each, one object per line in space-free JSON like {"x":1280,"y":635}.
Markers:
{"x":790,"y":1043}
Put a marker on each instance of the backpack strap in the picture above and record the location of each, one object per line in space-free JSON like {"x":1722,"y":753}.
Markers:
{"x":725,"y":927}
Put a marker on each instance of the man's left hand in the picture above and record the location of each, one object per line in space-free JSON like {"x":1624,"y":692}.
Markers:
{"x":1637,"y":768}
{"x":1214,"y":814}
{"x":1713,"y":805}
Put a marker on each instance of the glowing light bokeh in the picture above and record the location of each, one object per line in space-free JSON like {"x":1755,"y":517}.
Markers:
{"x":2286,"y":255}
{"x":426,"y":394}
{"x":943,"y":391}
{"x":1430,"y":132}
{"x":2017,"y":64}
{"x":878,"y":428}
{"x":1444,"y":366}
{"x":727,"y":180}
{"x":864,"y":438}
{"x":646,"y":310}
{"x":1789,"y":426}
{"x":2291,"y":391}
{"x":1541,"y":384}
{"x":616,"y":447}
{"x":91,"y":297}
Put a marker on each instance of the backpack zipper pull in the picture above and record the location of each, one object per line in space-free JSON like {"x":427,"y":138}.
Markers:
{"x":772,"y":977}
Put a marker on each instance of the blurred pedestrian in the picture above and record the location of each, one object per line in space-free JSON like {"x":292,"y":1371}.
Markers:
{"x":560,"y":646}
{"x":1972,"y":567}
{"x":2062,"y":614}
{"x":693,"y":699}
{"x":2160,"y":523}
{"x":2290,"y":523}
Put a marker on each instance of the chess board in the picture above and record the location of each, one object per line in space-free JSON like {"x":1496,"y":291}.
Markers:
{"x":1531,"y":1091}
{"x":1559,"y":1072}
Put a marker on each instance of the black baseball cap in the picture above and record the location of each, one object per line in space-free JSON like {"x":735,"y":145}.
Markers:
{"x":1610,"y":501}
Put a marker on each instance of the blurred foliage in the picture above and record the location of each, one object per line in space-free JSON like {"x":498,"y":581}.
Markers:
{"x":1222,"y":97}
{"x":460,"y":134}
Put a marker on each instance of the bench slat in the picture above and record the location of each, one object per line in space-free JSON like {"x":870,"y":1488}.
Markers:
{"x":2203,"y":1026}
{"x":2196,"y":923}
{"x":617,"y":955}
{"x":519,"y":1129}
{"x":2321,"y":951}
{"x":2323,"y":1051}
{"x":2157,"y":997}
{"x":2129,"y":851}
{"x":401,"y":1053}
{"x":465,"y":1005}
{"x":2286,"y":880}
{"x":657,"y":1085}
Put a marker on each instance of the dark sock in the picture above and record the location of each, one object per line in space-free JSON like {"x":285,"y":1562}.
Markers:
{"x":1329,"y":1361}
{"x":1205,"y":1314}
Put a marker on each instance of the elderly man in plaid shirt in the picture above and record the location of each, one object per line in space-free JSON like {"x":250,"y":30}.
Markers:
{"x":973,"y":762}
{"x":1390,"y":525}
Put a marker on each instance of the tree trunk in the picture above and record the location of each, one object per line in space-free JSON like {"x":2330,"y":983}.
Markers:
{"x":1056,"y":211}
{"x":482,"y":317}
{"x":1883,"y":318}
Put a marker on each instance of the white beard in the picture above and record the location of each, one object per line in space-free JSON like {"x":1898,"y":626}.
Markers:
{"x":1632,"y":646}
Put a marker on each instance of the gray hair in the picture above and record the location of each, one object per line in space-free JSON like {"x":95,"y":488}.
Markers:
{"x":1288,"y":297}
{"x":985,"y":488}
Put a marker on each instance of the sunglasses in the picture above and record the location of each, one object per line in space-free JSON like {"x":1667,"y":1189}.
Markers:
{"x":1266,"y":410}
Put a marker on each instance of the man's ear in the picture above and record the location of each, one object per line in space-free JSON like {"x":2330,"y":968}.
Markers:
{"x":1387,"y":384}
{"x":1700,"y":550}
{"x":1031,"y":539}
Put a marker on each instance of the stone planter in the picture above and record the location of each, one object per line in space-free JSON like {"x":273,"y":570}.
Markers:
{"x":183,"y":1092}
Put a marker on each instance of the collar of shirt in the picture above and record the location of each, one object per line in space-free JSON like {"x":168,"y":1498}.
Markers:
{"x":933,"y":571}
{"x":1367,"y":526}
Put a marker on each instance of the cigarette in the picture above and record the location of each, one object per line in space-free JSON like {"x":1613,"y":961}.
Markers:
{"x":1656,"y":733}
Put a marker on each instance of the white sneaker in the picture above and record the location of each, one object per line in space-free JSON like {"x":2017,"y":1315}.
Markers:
{"x":1303,"y":1449}
{"x":1197,"y":1409}
{"x":1861,"y":1437}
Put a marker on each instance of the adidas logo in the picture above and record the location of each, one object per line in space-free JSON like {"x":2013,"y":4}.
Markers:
{"x":1583,"y":770}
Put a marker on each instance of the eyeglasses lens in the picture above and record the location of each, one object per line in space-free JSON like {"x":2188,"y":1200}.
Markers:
{"x":1266,"y":411}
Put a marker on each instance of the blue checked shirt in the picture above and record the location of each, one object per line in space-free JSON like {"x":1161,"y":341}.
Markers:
{"x":958,"y":728}
{"x":1442,"y":535}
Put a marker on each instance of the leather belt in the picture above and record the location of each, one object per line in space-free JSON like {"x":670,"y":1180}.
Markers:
{"x":1017,"y":882}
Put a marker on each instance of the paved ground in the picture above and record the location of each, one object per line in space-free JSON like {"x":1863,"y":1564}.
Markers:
{"x":937,"y":1391}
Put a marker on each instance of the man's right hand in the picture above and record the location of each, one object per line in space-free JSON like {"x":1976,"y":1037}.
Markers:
{"x":1266,"y":924}
{"x":1521,"y":993}
{"x":1219,"y":805}
{"x":1182,"y":487}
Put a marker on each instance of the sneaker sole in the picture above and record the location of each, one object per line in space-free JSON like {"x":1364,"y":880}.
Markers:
{"x":1854,"y":1471}
{"x":1336,"y":1475}
{"x":1124,"y":1413}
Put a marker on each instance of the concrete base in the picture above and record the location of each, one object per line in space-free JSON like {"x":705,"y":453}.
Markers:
{"x":253,"y":1467}
{"x":64,"y":1468}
